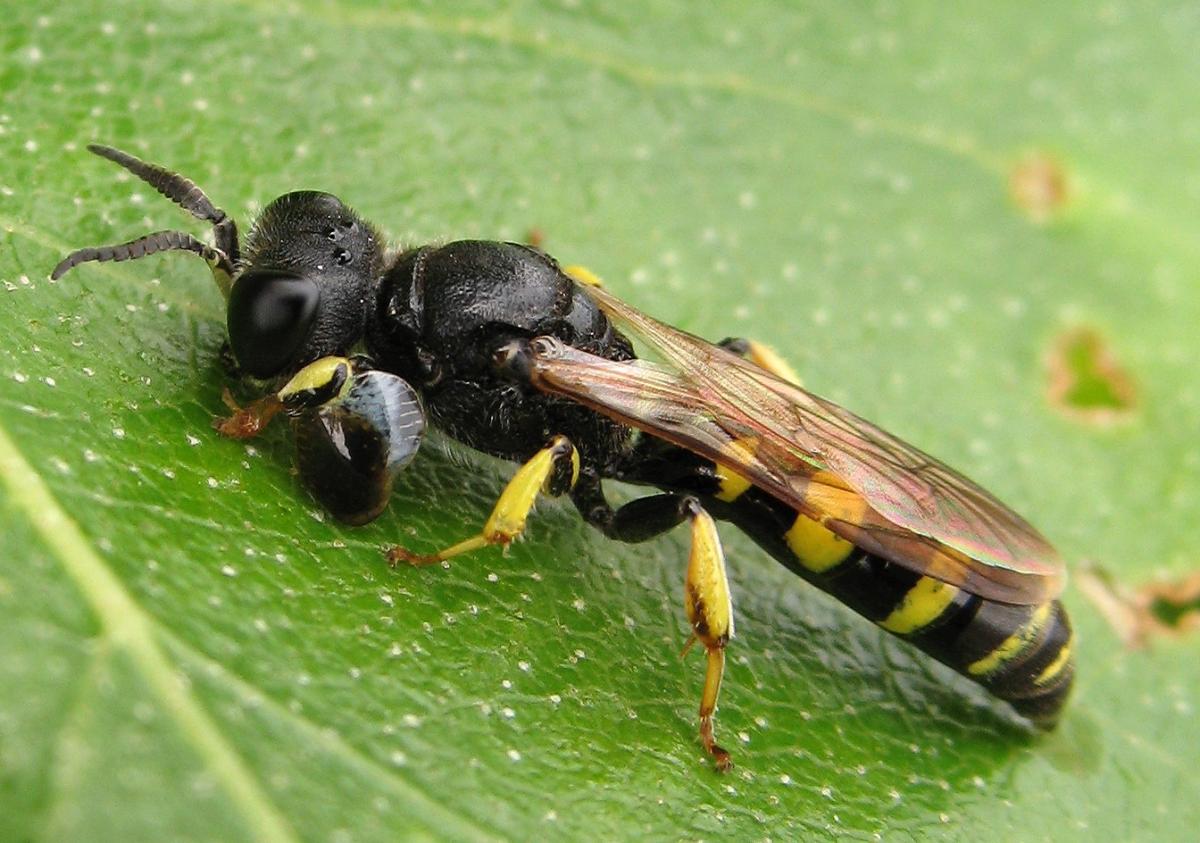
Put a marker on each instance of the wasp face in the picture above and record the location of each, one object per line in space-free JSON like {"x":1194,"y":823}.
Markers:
{"x":302,"y":291}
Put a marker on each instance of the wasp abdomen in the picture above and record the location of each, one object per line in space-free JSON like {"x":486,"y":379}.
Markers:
{"x":1019,"y":653}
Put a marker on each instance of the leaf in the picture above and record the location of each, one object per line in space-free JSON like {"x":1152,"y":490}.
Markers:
{"x":911,"y":202}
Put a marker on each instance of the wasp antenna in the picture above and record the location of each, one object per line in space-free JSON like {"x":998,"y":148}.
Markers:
{"x":179,"y":189}
{"x":159,"y":241}
{"x":184,"y":193}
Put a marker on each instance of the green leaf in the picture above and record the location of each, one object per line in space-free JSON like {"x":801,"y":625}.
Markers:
{"x":190,"y":650}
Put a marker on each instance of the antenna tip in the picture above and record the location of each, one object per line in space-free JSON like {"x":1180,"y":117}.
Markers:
{"x":63,"y":267}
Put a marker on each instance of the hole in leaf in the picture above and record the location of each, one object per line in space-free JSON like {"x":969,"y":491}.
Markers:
{"x":1170,"y":607}
{"x":1175,"y":605}
{"x":1086,"y":382}
{"x":1038,"y":185}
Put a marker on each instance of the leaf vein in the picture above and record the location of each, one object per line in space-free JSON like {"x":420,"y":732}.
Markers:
{"x":126,"y":625}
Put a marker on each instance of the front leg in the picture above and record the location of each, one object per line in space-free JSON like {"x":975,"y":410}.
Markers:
{"x":317,"y":383}
{"x":355,"y":429}
{"x":249,"y":421}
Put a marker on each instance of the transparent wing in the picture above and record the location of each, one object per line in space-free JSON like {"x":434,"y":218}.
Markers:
{"x":861,"y":482}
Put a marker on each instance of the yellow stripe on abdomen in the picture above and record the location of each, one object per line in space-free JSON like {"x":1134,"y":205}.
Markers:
{"x":1052,"y":670}
{"x":1012,"y":646}
{"x":731,"y":484}
{"x":921,"y":605}
{"x":814,"y":546}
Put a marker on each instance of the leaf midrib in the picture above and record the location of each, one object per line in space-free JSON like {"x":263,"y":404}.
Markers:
{"x":126,"y":626}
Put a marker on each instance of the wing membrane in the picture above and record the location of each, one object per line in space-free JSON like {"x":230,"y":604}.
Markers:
{"x":861,"y":482}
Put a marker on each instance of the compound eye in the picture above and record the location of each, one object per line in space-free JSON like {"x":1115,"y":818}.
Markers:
{"x":270,"y":316}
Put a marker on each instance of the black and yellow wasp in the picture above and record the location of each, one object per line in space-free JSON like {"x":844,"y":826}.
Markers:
{"x":509,"y":353}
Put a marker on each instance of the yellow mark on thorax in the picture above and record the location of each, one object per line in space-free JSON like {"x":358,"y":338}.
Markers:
{"x":582,"y":275}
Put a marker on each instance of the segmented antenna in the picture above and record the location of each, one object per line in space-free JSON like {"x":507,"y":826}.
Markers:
{"x":184,"y":193}
{"x":179,"y":189}
{"x":159,"y":241}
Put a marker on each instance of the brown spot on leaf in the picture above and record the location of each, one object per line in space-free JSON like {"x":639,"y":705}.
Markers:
{"x":1174,"y":605}
{"x":1039,"y":186}
{"x":1086,"y":382}
{"x":535,"y":237}
{"x":1170,"y":607}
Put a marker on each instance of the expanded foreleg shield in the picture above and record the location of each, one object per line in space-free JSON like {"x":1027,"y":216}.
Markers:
{"x":350,"y":449}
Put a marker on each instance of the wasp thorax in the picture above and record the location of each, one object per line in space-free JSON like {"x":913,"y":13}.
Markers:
{"x":305,"y":279}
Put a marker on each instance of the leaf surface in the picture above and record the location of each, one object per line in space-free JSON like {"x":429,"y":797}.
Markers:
{"x":191,"y":650}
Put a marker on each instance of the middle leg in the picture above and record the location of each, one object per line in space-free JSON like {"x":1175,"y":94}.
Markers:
{"x":552,"y":470}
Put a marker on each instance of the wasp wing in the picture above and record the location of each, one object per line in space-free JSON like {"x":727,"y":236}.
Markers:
{"x":861,"y":482}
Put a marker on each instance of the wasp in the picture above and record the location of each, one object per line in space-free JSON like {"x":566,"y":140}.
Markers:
{"x":511,"y":354}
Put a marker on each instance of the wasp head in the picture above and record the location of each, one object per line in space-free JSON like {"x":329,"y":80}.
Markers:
{"x":302,"y":287}
{"x":300,"y":290}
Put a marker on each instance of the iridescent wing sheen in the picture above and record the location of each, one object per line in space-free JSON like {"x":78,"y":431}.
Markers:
{"x":861,"y":482}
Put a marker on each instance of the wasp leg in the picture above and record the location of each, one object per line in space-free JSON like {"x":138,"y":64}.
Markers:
{"x":710,"y":612}
{"x":706,"y":586}
{"x":552,"y":471}
{"x":317,"y":383}
{"x":249,"y":421}
{"x":761,"y":355}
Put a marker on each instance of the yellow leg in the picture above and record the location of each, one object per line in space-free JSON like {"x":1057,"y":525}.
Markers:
{"x":708,"y":706}
{"x":542,"y":473}
{"x":315,"y":384}
{"x":710,"y":612}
